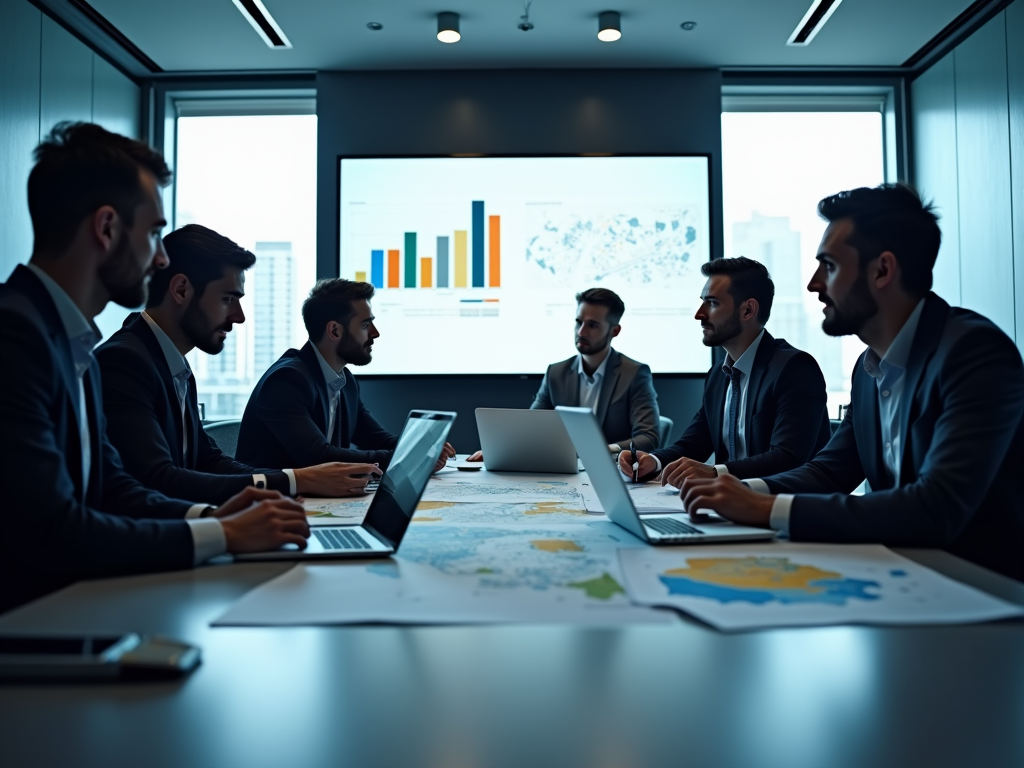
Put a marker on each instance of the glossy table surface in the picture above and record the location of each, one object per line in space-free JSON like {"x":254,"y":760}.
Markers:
{"x":519,"y":695}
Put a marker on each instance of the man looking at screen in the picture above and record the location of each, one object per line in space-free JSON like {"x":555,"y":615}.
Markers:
{"x":617,"y":388}
{"x":936,"y":421}
{"x":306,"y":410}
{"x":764,"y":407}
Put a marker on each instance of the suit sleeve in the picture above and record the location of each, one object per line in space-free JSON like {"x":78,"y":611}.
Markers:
{"x":47,"y":530}
{"x":643,"y":412}
{"x":134,"y":428}
{"x":371,"y":437}
{"x":981,"y":390}
{"x":542,"y":401}
{"x":801,"y":402}
{"x":696,"y":442}
{"x":211,"y":460}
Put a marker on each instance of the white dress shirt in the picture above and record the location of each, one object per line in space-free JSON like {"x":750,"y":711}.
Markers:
{"x":335,"y":382}
{"x":207,"y":534}
{"x":889,"y":374}
{"x":590,"y":386}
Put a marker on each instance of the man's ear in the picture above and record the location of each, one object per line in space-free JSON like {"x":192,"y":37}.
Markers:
{"x":107,"y":228}
{"x":180,"y":289}
{"x":749,"y":310}
{"x":885,"y":270}
{"x":334,"y":330}
{"x":615,"y":330}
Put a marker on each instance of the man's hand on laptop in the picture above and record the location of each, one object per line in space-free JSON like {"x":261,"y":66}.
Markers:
{"x":680,"y":469}
{"x":478,"y":456}
{"x":256,"y":520}
{"x":730,"y":498}
{"x":446,"y":453}
{"x":335,"y":478}
{"x":648,"y":466}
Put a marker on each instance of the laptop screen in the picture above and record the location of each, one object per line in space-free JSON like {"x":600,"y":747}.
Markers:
{"x":403,"y":484}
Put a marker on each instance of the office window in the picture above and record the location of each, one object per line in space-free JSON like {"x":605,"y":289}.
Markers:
{"x":252,"y":178}
{"x":776,"y":166}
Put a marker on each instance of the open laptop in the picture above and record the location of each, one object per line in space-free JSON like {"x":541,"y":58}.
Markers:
{"x":393,"y":504}
{"x":516,"y":440}
{"x":607,"y":482}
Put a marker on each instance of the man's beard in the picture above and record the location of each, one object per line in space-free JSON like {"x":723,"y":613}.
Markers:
{"x":859,"y":307}
{"x":727,"y":331}
{"x":596,"y":347}
{"x":200,"y":331}
{"x":352,"y":352}
{"x":127,"y":285}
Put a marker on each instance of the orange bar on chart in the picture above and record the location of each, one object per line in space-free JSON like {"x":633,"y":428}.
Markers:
{"x":392,"y":269}
{"x":426,"y":273}
{"x":494,"y":237}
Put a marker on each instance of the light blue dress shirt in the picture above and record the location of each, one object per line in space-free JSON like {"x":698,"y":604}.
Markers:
{"x":335,"y":382}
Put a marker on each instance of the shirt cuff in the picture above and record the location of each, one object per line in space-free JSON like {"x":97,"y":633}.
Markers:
{"x":292,"y":487}
{"x":757,"y":484}
{"x":207,"y":538}
{"x":657,"y":461}
{"x":779,"y":520}
{"x":196,"y":511}
{"x":723,"y":470}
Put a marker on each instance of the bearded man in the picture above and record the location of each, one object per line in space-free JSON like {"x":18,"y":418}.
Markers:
{"x":764,"y":408}
{"x":149,"y":393}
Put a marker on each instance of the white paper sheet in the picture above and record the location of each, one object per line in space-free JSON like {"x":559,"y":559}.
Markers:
{"x":466,"y":575}
{"x":754,"y":586}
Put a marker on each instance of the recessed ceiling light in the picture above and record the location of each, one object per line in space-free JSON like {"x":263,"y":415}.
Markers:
{"x":448,"y":27}
{"x":812,"y":22}
{"x":689,"y":25}
{"x":259,"y":17}
{"x":609,"y":26}
{"x":376,"y":26}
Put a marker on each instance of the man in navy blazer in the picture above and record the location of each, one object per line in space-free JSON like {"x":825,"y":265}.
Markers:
{"x":306,"y":408}
{"x":149,"y":392}
{"x":764,"y":408}
{"x":70,"y":510}
{"x":936,"y":423}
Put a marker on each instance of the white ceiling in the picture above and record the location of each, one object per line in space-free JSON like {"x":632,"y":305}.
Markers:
{"x":203,"y":35}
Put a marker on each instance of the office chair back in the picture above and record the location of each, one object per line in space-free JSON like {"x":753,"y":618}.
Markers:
{"x":665,"y":425}
{"x":225,"y":435}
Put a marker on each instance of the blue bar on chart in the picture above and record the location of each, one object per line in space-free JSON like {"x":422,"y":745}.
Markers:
{"x":377,"y":268}
{"x":442,"y":262}
{"x":478,"y":243}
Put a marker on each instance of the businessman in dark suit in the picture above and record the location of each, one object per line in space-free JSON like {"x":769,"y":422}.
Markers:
{"x":149,"y":393}
{"x":936,"y":423}
{"x":306,"y":409}
{"x":764,"y":407}
{"x":71,"y":511}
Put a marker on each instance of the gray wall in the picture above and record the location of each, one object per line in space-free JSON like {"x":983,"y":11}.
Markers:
{"x":509,"y":112}
{"x":47,"y":75}
{"x":967,"y":118}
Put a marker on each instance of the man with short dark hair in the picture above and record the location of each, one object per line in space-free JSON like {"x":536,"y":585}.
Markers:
{"x":306,"y":409}
{"x":149,"y":393}
{"x":764,"y":408}
{"x":936,"y":422}
{"x":70,"y":510}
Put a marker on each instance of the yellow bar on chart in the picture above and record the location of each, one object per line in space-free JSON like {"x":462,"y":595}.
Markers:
{"x":461,"y":276}
{"x":426,"y":272}
{"x":360,"y":277}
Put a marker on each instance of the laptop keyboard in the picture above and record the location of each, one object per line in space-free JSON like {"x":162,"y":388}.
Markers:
{"x":669,"y":526}
{"x":339,"y":538}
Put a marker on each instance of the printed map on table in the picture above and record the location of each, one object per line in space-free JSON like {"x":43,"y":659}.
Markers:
{"x":745,"y":587}
{"x":352,"y":512}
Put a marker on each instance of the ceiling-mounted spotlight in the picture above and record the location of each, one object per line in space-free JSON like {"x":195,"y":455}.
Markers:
{"x":524,"y":21}
{"x":374,"y":26}
{"x":448,"y":27}
{"x":609,"y":26}
{"x":688,"y":25}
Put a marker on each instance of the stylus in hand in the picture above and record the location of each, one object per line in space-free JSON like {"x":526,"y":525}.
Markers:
{"x":636,"y":464}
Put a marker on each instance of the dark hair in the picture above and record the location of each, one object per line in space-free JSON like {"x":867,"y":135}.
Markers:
{"x":748,"y":279}
{"x":81,"y":167}
{"x":890,"y":217}
{"x":331,"y":299}
{"x":201,"y":255}
{"x":602,"y":297}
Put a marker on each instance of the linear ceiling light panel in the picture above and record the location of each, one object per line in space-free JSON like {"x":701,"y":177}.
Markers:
{"x":812,"y":22}
{"x":257,"y":14}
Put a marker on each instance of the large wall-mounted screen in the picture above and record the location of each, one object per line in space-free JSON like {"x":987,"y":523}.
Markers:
{"x":477,"y":260}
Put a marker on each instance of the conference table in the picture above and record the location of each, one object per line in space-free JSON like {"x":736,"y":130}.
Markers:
{"x":519,"y":695}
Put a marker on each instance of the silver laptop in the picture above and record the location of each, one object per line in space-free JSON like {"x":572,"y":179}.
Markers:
{"x":393,"y":504}
{"x":515,"y":440}
{"x":607,"y":482}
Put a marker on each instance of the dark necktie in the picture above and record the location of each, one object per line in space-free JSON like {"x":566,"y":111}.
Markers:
{"x":734,"y":408}
{"x":334,"y":391}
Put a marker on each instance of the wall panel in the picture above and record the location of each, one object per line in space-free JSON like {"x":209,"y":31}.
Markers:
{"x":983,"y":169}
{"x":19,"y":126}
{"x":1015,"y":86}
{"x":66,"y":78}
{"x":933,"y":111}
{"x":115,"y":100}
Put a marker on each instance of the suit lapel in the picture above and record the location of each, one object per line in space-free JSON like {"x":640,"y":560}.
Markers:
{"x":867,"y":427}
{"x":611,"y":379}
{"x":572,"y":386}
{"x":308,"y":356}
{"x":94,"y":407}
{"x":715,"y":394}
{"x":145,"y":334}
{"x":765,"y":353}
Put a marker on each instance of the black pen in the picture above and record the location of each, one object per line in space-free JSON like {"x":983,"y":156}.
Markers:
{"x":636,"y":464}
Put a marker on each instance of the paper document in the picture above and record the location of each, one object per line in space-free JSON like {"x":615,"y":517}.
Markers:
{"x":741,"y":586}
{"x":465,"y":575}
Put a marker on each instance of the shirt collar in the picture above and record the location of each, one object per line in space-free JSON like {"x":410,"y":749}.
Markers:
{"x":599,"y":373}
{"x":175,"y":360}
{"x":899,"y":351}
{"x":746,"y":362}
{"x":81,"y":332}
{"x":335,"y":379}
